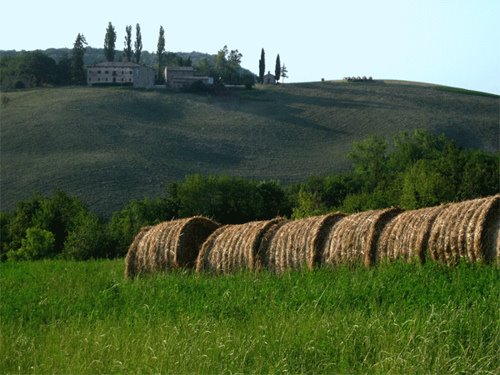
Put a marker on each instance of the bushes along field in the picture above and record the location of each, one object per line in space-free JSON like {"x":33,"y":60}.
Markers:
{"x":419,"y":170}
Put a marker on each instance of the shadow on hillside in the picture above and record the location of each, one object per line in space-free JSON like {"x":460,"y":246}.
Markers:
{"x":148,"y":108}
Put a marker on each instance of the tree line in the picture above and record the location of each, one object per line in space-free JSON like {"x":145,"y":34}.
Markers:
{"x":411,"y":171}
{"x":36,"y":69}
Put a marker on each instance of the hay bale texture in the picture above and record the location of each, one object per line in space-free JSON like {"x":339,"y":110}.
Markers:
{"x":131,"y":257}
{"x":406,"y":236}
{"x":354,"y":239}
{"x":466,"y":230}
{"x":233,"y":248}
{"x":297,"y":244}
{"x":168,"y":245}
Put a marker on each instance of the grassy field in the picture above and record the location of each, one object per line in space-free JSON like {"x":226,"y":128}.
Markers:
{"x":110,"y":145}
{"x":70,"y":317}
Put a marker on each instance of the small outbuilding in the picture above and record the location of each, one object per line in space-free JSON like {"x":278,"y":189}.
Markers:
{"x":269,"y":79}
{"x":184,"y":76}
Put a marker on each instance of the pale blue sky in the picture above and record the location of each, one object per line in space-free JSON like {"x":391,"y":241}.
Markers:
{"x":450,"y":42}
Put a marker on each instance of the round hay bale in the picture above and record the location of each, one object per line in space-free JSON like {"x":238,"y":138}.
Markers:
{"x":233,"y":248}
{"x":466,"y":230}
{"x":406,"y":236}
{"x":131,"y":257}
{"x":169,"y":245}
{"x":297,"y":244}
{"x":354,"y":238}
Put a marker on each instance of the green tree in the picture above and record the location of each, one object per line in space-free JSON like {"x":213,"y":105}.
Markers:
{"x":126,"y":223}
{"x":109,"y":43}
{"x":308,"y":204}
{"x":262,"y":66}
{"x":425,"y":186}
{"x":38,"y":244}
{"x":137,"y":44}
{"x":127,"y":50}
{"x":160,"y":54}
{"x":284,"y":72}
{"x":86,"y":238}
{"x":77,"y":64}
{"x":370,"y":161}
{"x":479,"y":174}
{"x":5,"y":219}
{"x":277,"y":69}
{"x":37,"y":68}
{"x":63,"y":76}
{"x":229,"y":200}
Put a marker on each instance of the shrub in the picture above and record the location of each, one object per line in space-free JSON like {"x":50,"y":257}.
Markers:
{"x":38,"y":244}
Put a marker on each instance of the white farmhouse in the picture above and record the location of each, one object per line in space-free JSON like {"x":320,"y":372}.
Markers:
{"x":120,"y":73}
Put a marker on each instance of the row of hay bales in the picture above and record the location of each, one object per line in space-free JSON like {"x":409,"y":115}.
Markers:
{"x":467,"y":230}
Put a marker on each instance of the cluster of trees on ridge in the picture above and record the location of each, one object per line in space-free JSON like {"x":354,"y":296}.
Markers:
{"x":415,"y":170}
{"x":280,"y":71}
{"x":36,"y":68}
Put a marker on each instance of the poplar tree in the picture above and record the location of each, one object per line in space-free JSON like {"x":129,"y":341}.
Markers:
{"x":138,"y":44}
{"x":262,"y":66}
{"x":109,"y":43}
{"x":127,"y":51}
{"x":160,"y":53}
{"x":77,"y":64}
{"x":277,"y":70}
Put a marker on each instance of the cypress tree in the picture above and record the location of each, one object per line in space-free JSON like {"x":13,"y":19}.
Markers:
{"x":262,"y":66}
{"x":277,"y":70}
{"x":77,"y":65}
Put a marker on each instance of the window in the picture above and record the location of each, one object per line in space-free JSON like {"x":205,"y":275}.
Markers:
{"x":98,"y":72}
{"x":106,"y":72}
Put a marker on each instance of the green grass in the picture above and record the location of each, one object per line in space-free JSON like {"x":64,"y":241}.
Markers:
{"x":70,"y":317}
{"x":111,"y":145}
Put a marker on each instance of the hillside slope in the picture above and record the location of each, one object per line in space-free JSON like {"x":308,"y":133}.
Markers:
{"x":109,"y":145}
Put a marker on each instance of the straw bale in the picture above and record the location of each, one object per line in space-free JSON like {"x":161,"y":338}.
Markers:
{"x":232,"y":248}
{"x":355,"y":237}
{"x":406,"y":236}
{"x":466,"y":230}
{"x":131,"y":257}
{"x":171,"y":244}
{"x":297,"y":244}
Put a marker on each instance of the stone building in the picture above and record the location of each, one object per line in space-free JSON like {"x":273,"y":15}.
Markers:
{"x":178,"y":77}
{"x":269,"y":79}
{"x":120,"y":73}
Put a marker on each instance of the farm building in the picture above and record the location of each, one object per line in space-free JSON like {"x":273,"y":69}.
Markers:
{"x":178,"y":77}
{"x":123,"y":73}
{"x":269,"y":79}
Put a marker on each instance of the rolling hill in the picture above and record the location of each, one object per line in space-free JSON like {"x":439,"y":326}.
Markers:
{"x":110,"y":145}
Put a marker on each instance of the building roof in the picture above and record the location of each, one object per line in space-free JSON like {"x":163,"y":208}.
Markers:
{"x":179,"y":68}
{"x":116,"y":64}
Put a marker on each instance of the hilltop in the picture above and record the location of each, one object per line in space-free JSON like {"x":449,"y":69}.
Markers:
{"x":110,"y":145}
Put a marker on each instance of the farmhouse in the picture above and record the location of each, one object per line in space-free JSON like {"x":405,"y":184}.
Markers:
{"x":269,"y":79}
{"x":122,"y":73}
{"x":178,"y":77}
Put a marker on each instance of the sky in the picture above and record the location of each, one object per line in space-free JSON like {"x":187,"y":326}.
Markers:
{"x":448,"y":42}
